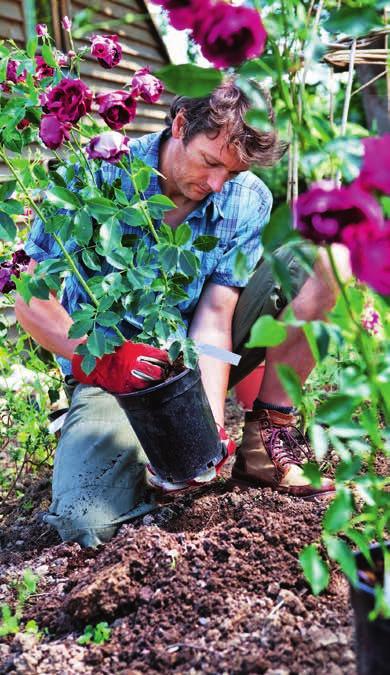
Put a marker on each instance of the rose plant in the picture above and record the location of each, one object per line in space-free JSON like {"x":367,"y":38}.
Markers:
{"x":277,"y":48}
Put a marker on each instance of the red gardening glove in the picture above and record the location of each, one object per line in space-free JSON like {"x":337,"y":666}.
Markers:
{"x":230,"y":447}
{"x":133,"y":366}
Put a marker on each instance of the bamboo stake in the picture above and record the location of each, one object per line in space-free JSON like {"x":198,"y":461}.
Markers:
{"x":347,"y":99}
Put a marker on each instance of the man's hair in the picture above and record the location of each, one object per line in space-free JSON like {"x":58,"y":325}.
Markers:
{"x":226,"y":107}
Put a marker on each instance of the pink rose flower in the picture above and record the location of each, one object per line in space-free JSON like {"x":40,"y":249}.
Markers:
{"x":145,"y":85}
{"x":229,"y":35}
{"x":375,"y":170}
{"x":53,"y":132}
{"x":66,"y":23}
{"x":69,"y":100}
{"x":11,"y":72}
{"x":117,"y":108}
{"x":184,"y":13}
{"x":324,"y":211}
{"x":369,"y":248}
{"x":107,"y":50}
{"x":42,"y":70}
{"x":41,"y":30}
{"x":110,"y":146}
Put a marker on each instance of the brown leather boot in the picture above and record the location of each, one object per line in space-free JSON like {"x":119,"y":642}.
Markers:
{"x":272,"y":453}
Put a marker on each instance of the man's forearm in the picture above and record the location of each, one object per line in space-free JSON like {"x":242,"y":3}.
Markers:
{"x":48,"y":323}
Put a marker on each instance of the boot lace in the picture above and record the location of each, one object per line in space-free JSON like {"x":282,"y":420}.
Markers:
{"x":286,"y":445}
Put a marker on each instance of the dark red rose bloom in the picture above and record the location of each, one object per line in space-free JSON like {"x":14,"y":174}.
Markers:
{"x":42,"y":70}
{"x":369,"y":248}
{"x":145,"y":85}
{"x":324,"y":211}
{"x":69,"y":100}
{"x":117,"y":108}
{"x":229,"y":35}
{"x":107,"y":50}
{"x":53,"y":132}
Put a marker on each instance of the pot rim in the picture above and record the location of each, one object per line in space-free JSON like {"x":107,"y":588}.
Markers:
{"x":361,"y":585}
{"x":157,"y":387}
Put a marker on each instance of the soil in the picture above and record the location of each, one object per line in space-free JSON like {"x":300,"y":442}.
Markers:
{"x":207,"y":584}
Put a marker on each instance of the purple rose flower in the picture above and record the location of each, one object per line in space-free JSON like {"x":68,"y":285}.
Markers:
{"x":42,"y":70}
{"x":6,"y":285}
{"x":184,"y":13}
{"x":66,"y":23}
{"x":322,"y":213}
{"x":229,"y":35}
{"x":110,"y":145}
{"x":117,"y":108}
{"x":53,"y":132}
{"x":21,"y":259}
{"x":41,"y":30}
{"x":145,"y":85}
{"x":369,"y":248}
{"x":107,"y":50}
{"x":375,"y":170}
{"x":69,"y":100}
{"x":11,"y":72}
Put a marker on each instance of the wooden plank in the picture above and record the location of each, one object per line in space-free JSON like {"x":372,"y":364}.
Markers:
{"x":140,"y":31}
{"x":119,"y":76}
{"x":11,"y":11}
{"x":11,"y":30}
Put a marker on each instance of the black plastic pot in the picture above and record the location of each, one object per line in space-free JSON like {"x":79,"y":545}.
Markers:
{"x":175,"y":426}
{"x":372,"y":637}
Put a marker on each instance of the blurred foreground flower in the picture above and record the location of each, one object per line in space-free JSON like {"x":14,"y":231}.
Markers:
{"x":184,"y":13}
{"x":229,"y":35}
{"x":106,"y":49}
{"x":324,"y":211}
{"x":66,"y":23}
{"x":145,"y":85}
{"x":369,"y":247}
{"x":375,"y":170}
{"x":117,"y":108}
{"x":371,"y":320}
{"x":110,"y":145}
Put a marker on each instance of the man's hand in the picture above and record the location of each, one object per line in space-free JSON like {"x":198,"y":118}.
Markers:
{"x":133,"y":366}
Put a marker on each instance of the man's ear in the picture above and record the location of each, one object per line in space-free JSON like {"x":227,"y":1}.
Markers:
{"x":178,"y":125}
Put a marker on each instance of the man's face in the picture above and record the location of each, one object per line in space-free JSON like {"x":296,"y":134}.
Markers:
{"x":204,"y":165}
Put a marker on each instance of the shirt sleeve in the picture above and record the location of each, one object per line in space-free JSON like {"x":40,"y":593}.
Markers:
{"x":246,"y":240}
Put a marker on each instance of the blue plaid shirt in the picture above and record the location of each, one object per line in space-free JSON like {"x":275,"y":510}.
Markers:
{"x":236,"y":215}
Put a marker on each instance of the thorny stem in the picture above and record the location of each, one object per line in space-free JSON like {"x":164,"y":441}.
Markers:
{"x":57,"y":239}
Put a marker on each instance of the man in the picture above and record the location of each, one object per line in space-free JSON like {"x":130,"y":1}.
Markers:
{"x":204,"y":154}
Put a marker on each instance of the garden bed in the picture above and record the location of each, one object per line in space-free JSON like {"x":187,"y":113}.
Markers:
{"x":208,"y":584}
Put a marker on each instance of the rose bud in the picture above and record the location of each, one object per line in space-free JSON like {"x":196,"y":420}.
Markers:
{"x":145,"y":85}
{"x":106,"y":49}
{"x":66,"y":23}
{"x":41,"y":30}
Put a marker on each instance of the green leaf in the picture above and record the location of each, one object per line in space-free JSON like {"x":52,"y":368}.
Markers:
{"x":279,"y":228}
{"x":12,"y":207}
{"x":174,"y":350}
{"x":189,"y":263}
{"x":108,"y":319}
{"x":314,"y":568}
{"x":338,"y":408}
{"x":258,"y":119}
{"x":205,"y":242}
{"x":101,"y":208}
{"x":91,"y":260}
{"x":31,"y":47}
{"x":312,"y":472}
{"x":319,"y":441}
{"x":7,"y":188}
{"x":347,"y":470}
{"x":63,"y":198}
{"x":23,"y":287}
{"x":339,"y":511}
{"x":291,"y":383}
{"x":7,"y":227}
{"x":157,"y":204}
{"x":88,"y":364}
{"x":80,"y":328}
{"x":266,"y":332}
{"x":13,"y":140}
{"x":110,"y":234}
{"x":82,"y":229}
{"x":189,"y":80}
{"x":240,"y":268}
{"x":182,"y":234}
{"x":169,"y":257}
{"x":353,"y":21}
{"x":39,"y":288}
{"x":340,"y":552}
{"x":48,"y":56}
{"x":96,"y":343}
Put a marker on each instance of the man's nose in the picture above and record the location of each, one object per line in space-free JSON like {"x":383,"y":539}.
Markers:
{"x":216,"y":179}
